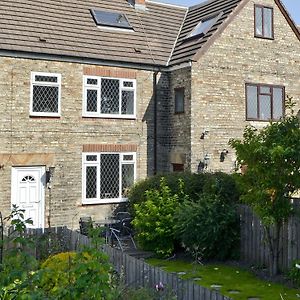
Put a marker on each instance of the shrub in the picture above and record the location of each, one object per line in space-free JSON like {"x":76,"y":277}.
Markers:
{"x":208,"y":228}
{"x":83,"y":275}
{"x":154,"y":219}
{"x":193,"y":185}
{"x":294,"y":273}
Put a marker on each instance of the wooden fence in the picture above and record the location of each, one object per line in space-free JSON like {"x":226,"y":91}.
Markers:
{"x":137,"y":274}
{"x":253,"y":247}
{"x":134,"y":273}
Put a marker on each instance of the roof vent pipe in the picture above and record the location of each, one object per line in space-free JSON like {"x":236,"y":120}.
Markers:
{"x":138,"y":4}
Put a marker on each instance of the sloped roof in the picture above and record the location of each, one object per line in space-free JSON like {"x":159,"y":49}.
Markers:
{"x":66,"y":28}
{"x":186,"y":49}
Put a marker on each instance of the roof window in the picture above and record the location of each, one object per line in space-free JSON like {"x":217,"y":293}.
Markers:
{"x":110,"y":19}
{"x":204,"y":26}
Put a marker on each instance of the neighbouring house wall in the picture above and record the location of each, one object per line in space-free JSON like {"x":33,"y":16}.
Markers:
{"x":163,"y":122}
{"x":219,"y":77}
{"x":180,"y":124}
{"x":58,"y":142}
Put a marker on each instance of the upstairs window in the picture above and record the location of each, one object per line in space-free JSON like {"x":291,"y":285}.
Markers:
{"x":179,"y":100}
{"x":204,"y":26}
{"x":107,"y":177}
{"x":109,"y":97}
{"x":264,"y":22}
{"x":110,"y":19}
{"x":265,"y":102}
{"x":45,"y":94}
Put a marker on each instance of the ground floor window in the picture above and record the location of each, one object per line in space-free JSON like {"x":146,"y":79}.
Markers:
{"x":107,"y":176}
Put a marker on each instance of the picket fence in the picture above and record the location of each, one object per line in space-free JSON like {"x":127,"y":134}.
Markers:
{"x":135,"y":273}
{"x":253,"y":245}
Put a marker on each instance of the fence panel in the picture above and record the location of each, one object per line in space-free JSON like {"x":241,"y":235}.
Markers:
{"x":253,"y":246}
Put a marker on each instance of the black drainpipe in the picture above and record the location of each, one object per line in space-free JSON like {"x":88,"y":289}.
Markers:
{"x":155,"y":122}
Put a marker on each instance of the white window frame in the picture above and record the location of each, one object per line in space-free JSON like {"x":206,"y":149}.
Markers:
{"x":39,"y":83}
{"x":97,"y":87}
{"x":86,"y":163}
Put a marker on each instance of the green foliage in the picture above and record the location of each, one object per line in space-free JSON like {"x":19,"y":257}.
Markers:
{"x":294,"y":273}
{"x":194,"y":185}
{"x":17,"y":263}
{"x":272,"y":160}
{"x":154,"y":219}
{"x":208,"y":228}
{"x":272,"y":157}
{"x":83,"y":275}
{"x":148,"y":294}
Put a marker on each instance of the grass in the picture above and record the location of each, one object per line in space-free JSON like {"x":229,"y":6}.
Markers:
{"x":230,"y":278}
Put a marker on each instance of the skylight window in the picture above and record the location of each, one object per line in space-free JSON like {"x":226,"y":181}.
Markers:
{"x":204,"y":26}
{"x":110,"y":19}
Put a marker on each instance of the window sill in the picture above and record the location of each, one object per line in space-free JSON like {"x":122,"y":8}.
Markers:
{"x":179,"y":113}
{"x":44,"y":116}
{"x":264,"y":37}
{"x":103,"y":201}
{"x":262,"y":121}
{"x":129,"y":117}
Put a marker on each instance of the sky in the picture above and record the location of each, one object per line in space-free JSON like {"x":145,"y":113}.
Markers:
{"x":293,"y":6}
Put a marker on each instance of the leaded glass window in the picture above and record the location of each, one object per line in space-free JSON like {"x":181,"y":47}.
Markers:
{"x":109,"y":97}
{"x":45,"y":94}
{"x":264,"y":102}
{"x":107,"y":177}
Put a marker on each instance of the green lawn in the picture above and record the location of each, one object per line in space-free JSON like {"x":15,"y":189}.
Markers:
{"x":231,"y":279}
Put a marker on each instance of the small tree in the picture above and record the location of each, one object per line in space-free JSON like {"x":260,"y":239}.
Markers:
{"x":272,"y":160}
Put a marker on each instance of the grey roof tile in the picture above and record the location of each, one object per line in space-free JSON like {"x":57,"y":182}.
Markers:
{"x":185,"y":49}
{"x":69,"y":29}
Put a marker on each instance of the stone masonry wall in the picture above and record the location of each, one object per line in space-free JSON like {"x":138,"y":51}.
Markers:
{"x":59,"y":141}
{"x":180,"y":124}
{"x":219,"y":77}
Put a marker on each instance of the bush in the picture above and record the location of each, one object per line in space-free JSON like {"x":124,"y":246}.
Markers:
{"x":83,"y":275}
{"x":193,"y":185}
{"x":294,"y":273}
{"x":208,"y":228}
{"x":154,"y":219}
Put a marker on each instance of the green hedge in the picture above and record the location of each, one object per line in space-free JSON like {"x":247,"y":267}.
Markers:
{"x":194,"y":210}
{"x":194,"y":185}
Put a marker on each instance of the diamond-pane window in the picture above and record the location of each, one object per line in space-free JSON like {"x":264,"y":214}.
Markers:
{"x":109,"y":97}
{"x":110,"y":94}
{"x":107,"y":177}
{"x":264,"y":102}
{"x":45,"y":94}
{"x":92,"y":100}
{"x":91,"y":182}
{"x":264,"y":27}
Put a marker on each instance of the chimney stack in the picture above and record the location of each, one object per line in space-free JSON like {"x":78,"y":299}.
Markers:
{"x":138,"y":4}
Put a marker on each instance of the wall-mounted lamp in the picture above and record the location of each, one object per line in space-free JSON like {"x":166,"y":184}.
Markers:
{"x":223,"y":155}
{"x":49,"y":176}
{"x":204,"y":134}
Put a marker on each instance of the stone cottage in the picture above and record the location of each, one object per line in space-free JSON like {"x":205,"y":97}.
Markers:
{"x":97,"y":95}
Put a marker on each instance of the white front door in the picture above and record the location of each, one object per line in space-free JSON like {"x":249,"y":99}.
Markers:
{"x":28,"y":192}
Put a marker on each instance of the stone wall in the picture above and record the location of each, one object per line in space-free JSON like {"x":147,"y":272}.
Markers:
{"x":219,"y":78}
{"x":180,"y":123}
{"x":58,"y":142}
